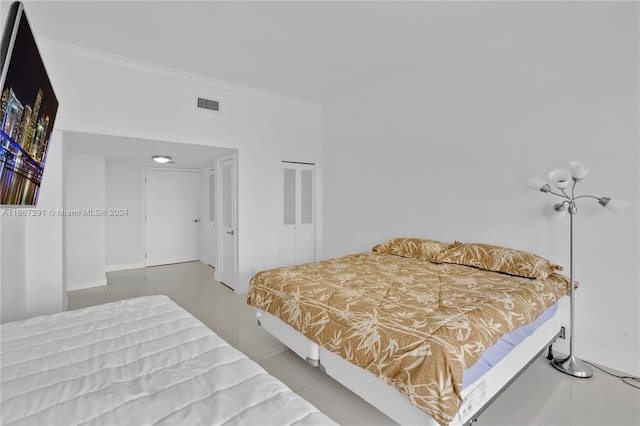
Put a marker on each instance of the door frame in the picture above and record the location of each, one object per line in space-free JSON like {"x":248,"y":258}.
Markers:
{"x":144,"y":203}
{"x":211,"y":171}
{"x":235,"y":196}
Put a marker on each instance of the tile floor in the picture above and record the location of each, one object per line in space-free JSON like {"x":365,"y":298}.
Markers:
{"x":540,"y":396}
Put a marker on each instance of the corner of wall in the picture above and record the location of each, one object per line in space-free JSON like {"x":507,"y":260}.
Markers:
{"x":12,"y":271}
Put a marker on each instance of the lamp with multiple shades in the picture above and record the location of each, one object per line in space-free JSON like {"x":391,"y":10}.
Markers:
{"x":565,"y":183}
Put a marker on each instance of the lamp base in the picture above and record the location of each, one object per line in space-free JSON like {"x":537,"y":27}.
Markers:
{"x":573,"y":367}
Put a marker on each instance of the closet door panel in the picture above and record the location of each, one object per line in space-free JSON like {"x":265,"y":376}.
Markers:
{"x":296,"y":241}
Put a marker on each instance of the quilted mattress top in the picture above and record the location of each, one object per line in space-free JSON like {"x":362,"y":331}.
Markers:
{"x":137,"y":361}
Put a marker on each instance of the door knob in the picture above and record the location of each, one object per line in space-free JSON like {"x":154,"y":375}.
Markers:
{"x":230,"y":232}
{"x":196,"y":220}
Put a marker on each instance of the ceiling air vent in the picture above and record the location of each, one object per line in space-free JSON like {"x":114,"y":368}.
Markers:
{"x":208,"y":104}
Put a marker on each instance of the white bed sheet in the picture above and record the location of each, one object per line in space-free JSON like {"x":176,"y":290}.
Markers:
{"x":494,"y":354}
{"x":137,"y":361}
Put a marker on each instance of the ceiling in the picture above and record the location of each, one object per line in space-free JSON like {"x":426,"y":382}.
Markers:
{"x":315,"y":51}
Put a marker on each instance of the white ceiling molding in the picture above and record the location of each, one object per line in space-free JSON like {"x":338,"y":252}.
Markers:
{"x":47,"y":45}
{"x":317,"y":51}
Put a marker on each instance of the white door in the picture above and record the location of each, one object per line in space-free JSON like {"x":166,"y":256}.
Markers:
{"x":172,"y":206}
{"x":212,"y":232}
{"x":296,"y":242}
{"x":227,"y":223}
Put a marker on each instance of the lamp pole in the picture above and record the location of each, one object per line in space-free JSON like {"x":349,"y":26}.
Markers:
{"x":572,"y":365}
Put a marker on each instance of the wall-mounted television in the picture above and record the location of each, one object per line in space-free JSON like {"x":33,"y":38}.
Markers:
{"x":28,"y":109}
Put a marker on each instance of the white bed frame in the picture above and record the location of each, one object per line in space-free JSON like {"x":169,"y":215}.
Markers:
{"x":476,"y":397}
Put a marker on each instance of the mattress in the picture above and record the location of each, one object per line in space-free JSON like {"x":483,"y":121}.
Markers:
{"x":137,"y":361}
{"x":494,"y":354}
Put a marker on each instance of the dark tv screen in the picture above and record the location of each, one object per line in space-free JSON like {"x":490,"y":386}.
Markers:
{"x":28,"y":109}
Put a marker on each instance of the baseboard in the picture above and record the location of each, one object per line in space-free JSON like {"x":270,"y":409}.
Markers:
{"x":610,"y":360}
{"x":85,"y":286}
{"x":124,"y":267}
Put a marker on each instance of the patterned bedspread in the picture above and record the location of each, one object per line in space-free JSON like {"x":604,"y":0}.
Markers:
{"x":413,"y":323}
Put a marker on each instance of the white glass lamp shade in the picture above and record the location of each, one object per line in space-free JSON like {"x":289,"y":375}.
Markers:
{"x":539,"y":184}
{"x":578,"y":169}
{"x":557,"y":211}
{"x":560,"y":178}
{"x":613,"y":205}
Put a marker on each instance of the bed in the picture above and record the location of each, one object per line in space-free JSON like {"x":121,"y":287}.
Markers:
{"x":137,"y":361}
{"x":404,"y":325}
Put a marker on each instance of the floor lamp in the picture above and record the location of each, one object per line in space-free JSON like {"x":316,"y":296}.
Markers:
{"x":565,"y":182}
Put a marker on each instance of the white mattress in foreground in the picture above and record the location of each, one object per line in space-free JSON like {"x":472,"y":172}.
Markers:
{"x":133,"y":362}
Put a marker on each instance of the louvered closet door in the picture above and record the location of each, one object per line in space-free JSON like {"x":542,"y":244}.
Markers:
{"x":296,"y":242}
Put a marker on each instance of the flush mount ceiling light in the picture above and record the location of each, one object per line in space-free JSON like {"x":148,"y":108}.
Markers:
{"x":162,"y":159}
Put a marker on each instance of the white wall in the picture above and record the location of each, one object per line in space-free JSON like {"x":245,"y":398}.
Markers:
{"x":45,"y":290}
{"x":4,"y":301}
{"x":84,"y":191}
{"x":6,"y":292}
{"x":124,"y":234}
{"x":109,"y":95}
{"x":13,"y":272}
{"x":31,"y":254}
{"x":445,"y":150}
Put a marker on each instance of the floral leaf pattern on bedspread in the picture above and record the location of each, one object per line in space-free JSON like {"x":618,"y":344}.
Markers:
{"x":413,"y":323}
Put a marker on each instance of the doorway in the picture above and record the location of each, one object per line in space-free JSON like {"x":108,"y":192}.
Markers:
{"x":227,"y":223}
{"x":172,"y":207}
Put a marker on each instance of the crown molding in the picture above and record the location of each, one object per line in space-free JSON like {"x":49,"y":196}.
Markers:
{"x":92,"y":55}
